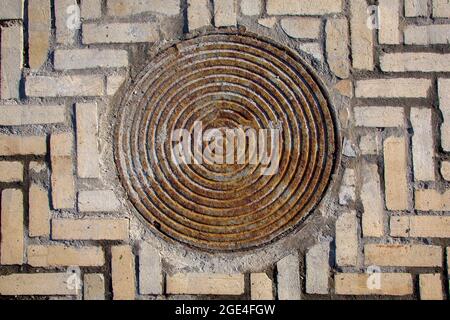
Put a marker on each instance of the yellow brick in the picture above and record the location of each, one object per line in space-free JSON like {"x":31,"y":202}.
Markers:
{"x":39,"y":212}
{"x":392,"y":284}
{"x":431,"y":287}
{"x":12,"y":230}
{"x":17,"y":145}
{"x":94,"y":286}
{"x":122,"y":273}
{"x":403,"y":255}
{"x":421,"y":226}
{"x":205,"y":283}
{"x":90,"y":229}
{"x":11,"y":171}
{"x":60,"y":255}
{"x":432,"y":200}
{"x":261,"y":287}
{"x":395,"y":173}
{"x":36,"y":284}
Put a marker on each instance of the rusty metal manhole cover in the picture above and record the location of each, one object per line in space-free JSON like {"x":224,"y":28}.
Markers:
{"x":225,"y":80}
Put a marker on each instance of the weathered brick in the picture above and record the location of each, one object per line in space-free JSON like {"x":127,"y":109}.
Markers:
{"x":261,"y":287}
{"x":415,"y":61}
{"x":379,"y":117}
{"x":362,"y":38}
{"x":90,"y":58}
{"x":393,"y":88}
{"x":402,"y":255}
{"x":39,"y":26}
{"x":98,"y":201}
{"x":19,"y":115}
{"x":345,"y":88}
{"x":61,"y":256}
{"x":199,"y":14}
{"x":288,"y":278}
{"x":94,"y":286}
{"x":90,"y":229}
{"x":370,"y":144}
{"x":347,"y":239}
{"x":444,"y":106}
{"x":318,"y":268}
{"x":11,"y":51}
{"x":113,"y":83}
{"x":12,"y":230}
{"x":301,"y":27}
{"x":66,"y":21}
{"x":205,"y":283}
{"x":303,"y":7}
{"x":122,"y":273}
{"x":91,"y":9}
{"x":11,"y":9}
{"x":431,"y":287}
{"x":389,"y":12}
{"x":337,"y":47}
{"x":150,"y":270}
{"x":132,"y":7}
{"x":120,"y":32}
{"x":225,"y":13}
{"x":63,"y":185}
{"x":441,"y":9}
{"x":445,"y":170}
{"x":88,"y":159}
{"x":268,"y":22}
{"x":424,"y":35}
{"x":392,"y":284}
{"x":421,"y":226}
{"x":36,"y":284}
{"x":64,"y":86}
{"x":347,"y":191}
{"x":372,"y":201}
{"x":11,"y":171}
{"x":423,"y":144}
{"x":251,"y":7}
{"x":432,"y":200}
{"x":416,"y":8}
{"x":39,"y":211}
{"x":395,"y":173}
{"x":18,"y":145}
{"x":312,"y":48}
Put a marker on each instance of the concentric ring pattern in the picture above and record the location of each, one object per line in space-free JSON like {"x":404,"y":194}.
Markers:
{"x":227,"y":79}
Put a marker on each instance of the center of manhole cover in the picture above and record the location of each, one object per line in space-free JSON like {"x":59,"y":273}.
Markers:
{"x":225,"y":142}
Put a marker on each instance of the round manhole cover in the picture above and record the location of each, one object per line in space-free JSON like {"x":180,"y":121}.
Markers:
{"x":201,"y":98}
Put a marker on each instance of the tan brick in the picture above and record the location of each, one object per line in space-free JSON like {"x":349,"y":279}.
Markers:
{"x":431,"y":287}
{"x":66,"y":22}
{"x":370,"y":144}
{"x":199,"y":14}
{"x":11,"y":171}
{"x":432,"y":200}
{"x":19,"y":115}
{"x":39,"y":25}
{"x":261,"y":287}
{"x":337,"y":47}
{"x":441,"y":9}
{"x":12,"y":229}
{"x":444,"y":106}
{"x":424,"y":35}
{"x":205,"y":283}
{"x":416,"y":8}
{"x":421,"y":226}
{"x":63,"y":185}
{"x":88,"y":159}
{"x":122,"y":273}
{"x":347,"y":239}
{"x":225,"y":13}
{"x":36,"y":284}
{"x":288,"y":278}
{"x":395,"y":173}
{"x":120,"y":32}
{"x":113,"y":84}
{"x":18,"y":145}
{"x":318,"y":268}
{"x":402,"y":255}
{"x":399,"y":226}
{"x":301,"y":27}
{"x":150,"y":270}
{"x":391,"y":284}
{"x":303,"y":7}
{"x":379,"y":117}
{"x":312,"y":48}
{"x":347,"y":191}
{"x":39,"y":212}
{"x":389,"y":11}
{"x":90,"y":58}
{"x":423,"y":144}
{"x":415,"y":61}
{"x":11,"y":9}
{"x":98,"y":201}
{"x":91,"y":9}
{"x":393,"y":88}
{"x":61,"y":256}
{"x":11,"y":46}
{"x":90,"y":229}
{"x":94,"y":286}
{"x":372,"y":201}
{"x":132,"y":7}
{"x":445,"y":170}
{"x":345,"y":88}
{"x":251,"y":7}
{"x":268,"y":22}
{"x":362,"y":38}
{"x":64,"y":86}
